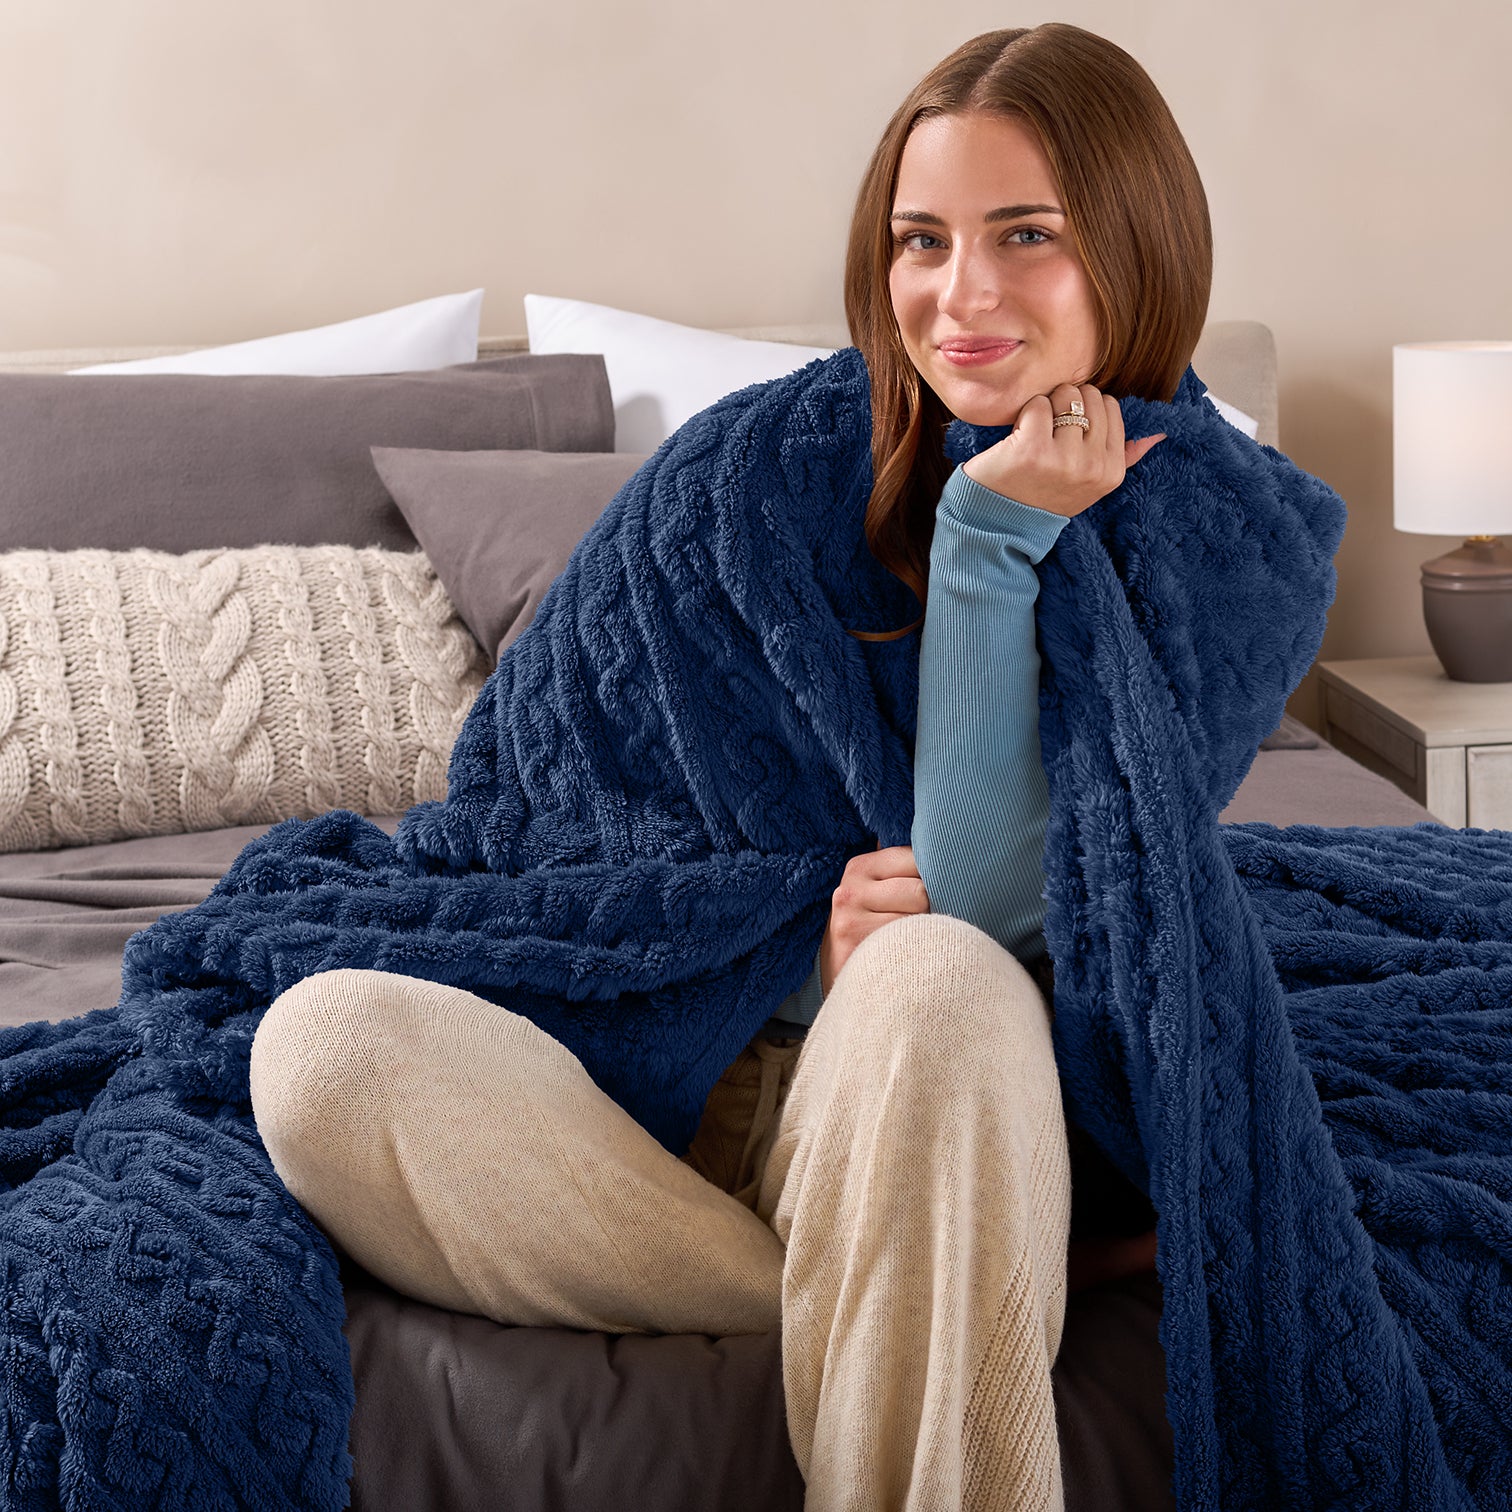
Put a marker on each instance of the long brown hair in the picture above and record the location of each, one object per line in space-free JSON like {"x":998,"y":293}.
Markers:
{"x":1137,"y":214}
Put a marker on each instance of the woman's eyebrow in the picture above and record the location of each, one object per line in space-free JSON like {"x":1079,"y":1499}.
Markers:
{"x":1003,"y":212}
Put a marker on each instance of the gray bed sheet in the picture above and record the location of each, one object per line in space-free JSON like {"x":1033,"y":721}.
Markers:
{"x":455,"y":1412}
{"x":66,"y":915}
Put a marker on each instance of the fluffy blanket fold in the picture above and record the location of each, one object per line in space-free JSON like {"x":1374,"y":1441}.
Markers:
{"x":1296,"y":1040}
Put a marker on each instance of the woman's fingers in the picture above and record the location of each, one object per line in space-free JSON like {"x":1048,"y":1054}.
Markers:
{"x":894,"y":883}
{"x":891,"y":881}
{"x":891,"y":861}
{"x":1135,"y":450}
{"x":1035,"y":418}
{"x":898,"y":895}
{"x":1097,"y":404}
{"x":1113,"y":437}
{"x":1060,"y":404}
{"x":1063,"y":474}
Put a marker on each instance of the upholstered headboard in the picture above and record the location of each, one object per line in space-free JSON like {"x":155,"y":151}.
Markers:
{"x":1236,"y":359}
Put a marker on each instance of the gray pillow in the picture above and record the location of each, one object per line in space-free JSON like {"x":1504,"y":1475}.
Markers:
{"x":179,"y":462}
{"x":498,"y":526}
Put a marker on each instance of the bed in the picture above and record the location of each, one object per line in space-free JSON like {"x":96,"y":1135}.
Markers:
{"x":454,"y":1411}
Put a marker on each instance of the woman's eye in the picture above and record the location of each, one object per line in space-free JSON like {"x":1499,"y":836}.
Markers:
{"x":904,"y":238}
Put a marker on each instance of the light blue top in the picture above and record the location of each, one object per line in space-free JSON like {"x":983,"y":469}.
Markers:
{"x":980,"y":797}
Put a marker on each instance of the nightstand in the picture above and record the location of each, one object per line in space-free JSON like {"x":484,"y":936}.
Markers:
{"x":1447,"y":744}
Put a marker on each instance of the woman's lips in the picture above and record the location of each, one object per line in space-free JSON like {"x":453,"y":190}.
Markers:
{"x":981,"y":356}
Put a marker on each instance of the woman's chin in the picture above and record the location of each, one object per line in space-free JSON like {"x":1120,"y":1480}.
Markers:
{"x":977,"y":405}
{"x":981,"y":411}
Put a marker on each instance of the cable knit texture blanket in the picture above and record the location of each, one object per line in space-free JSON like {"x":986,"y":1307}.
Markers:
{"x":1297,"y":1040}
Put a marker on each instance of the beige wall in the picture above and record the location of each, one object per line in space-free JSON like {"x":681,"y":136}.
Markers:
{"x":176,"y":172}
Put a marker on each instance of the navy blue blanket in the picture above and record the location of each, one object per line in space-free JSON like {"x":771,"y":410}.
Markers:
{"x":1296,"y":1040}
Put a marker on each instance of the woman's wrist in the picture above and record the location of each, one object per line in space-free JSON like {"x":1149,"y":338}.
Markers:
{"x":1032,"y":530}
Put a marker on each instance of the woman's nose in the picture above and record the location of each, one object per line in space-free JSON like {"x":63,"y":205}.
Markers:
{"x":971,"y":284}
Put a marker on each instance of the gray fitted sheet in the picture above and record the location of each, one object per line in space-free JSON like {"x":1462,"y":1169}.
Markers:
{"x":66,"y":915}
{"x":455,"y":1412}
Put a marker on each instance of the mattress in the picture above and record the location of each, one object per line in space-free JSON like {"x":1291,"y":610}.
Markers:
{"x":457,"y":1412}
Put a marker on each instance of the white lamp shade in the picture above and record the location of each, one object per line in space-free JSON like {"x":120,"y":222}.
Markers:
{"x":1452,"y":437}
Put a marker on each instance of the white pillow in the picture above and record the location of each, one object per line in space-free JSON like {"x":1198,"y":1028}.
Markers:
{"x":1235,"y":416}
{"x":433,"y":333}
{"x":660,"y":373}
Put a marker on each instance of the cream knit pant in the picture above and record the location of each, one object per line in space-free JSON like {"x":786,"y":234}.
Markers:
{"x":893,"y":1192}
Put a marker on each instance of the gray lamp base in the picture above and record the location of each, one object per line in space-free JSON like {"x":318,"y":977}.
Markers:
{"x":1467,"y":606}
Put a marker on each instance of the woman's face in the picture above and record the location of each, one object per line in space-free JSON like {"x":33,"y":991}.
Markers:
{"x":967,"y":270}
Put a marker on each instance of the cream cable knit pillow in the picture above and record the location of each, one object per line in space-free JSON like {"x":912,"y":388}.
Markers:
{"x":145,"y":693}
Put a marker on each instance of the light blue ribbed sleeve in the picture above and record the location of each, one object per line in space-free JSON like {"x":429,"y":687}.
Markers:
{"x":981,"y":801}
{"x":980,"y":797}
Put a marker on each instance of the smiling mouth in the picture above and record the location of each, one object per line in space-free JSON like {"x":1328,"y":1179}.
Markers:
{"x":978,"y":356}
{"x":978,"y":346}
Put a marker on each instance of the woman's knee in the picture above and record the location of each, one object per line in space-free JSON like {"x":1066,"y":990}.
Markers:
{"x":936,"y":981}
{"x":316,"y":1059}
{"x":336,"y":1048}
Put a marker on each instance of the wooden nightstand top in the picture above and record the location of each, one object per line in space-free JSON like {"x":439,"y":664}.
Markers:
{"x":1414,"y":695}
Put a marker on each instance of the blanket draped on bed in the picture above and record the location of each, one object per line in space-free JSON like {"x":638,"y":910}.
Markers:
{"x":1296,"y":1040}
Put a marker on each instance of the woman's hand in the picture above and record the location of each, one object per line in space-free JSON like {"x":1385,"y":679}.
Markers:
{"x":1061,"y":469}
{"x":876,"y":886}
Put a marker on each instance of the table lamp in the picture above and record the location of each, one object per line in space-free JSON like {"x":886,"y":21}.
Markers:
{"x":1452,"y":460}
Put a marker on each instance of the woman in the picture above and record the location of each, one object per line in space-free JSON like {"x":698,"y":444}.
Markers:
{"x":862,"y":1178}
